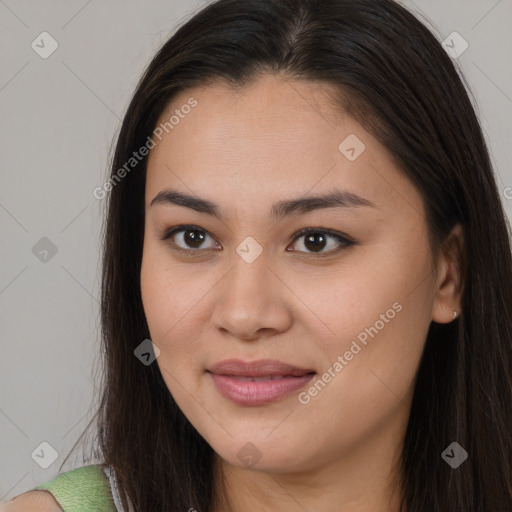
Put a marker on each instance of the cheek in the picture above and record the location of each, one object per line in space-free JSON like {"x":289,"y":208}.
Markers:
{"x":159,"y":305}
{"x":169,"y":313}
{"x":172,"y":306}
{"x":370,"y":319}
{"x":343,"y":301}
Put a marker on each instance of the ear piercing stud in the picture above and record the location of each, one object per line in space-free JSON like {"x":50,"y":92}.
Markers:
{"x":455,"y":313}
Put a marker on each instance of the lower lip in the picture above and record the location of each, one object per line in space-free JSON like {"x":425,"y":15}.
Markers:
{"x":258,"y":392}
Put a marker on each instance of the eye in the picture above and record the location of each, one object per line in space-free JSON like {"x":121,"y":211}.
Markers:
{"x":317,"y":239}
{"x":191,"y":239}
{"x":188,"y":238}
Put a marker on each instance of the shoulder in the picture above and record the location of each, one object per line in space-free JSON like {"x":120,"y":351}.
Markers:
{"x":42,"y":501}
{"x":85,"y":486}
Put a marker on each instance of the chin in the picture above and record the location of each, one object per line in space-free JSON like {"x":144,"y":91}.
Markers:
{"x":264,"y":455}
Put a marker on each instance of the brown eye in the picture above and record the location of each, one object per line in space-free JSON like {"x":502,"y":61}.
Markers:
{"x":189,"y":238}
{"x":316,"y":240}
{"x":193,"y":238}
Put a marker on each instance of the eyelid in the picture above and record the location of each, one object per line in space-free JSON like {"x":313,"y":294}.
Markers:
{"x":343,"y":239}
{"x":183,"y":227}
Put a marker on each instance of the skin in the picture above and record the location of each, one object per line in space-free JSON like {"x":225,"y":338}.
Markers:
{"x":42,"y":501}
{"x":278,"y":139}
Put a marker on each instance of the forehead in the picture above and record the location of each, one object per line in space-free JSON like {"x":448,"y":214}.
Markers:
{"x":273,"y":139}
{"x":268,"y":117}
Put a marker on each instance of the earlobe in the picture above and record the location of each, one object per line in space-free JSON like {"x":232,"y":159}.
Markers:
{"x":447,"y":300}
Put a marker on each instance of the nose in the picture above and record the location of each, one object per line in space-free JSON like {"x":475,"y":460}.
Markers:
{"x":252,"y":301}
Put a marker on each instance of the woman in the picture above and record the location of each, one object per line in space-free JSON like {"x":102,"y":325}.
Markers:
{"x":306,"y":275}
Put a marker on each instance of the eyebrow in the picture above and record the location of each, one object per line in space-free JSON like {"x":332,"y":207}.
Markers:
{"x":335,"y":199}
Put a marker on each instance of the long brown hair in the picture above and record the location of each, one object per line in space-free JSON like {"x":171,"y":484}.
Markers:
{"x":395,"y":79}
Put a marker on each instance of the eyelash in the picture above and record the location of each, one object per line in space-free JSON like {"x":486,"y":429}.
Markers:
{"x":345,"y":241}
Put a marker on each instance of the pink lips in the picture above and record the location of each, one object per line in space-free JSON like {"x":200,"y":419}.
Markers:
{"x":257,"y":382}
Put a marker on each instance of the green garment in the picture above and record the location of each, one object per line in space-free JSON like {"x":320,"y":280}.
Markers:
{"x":84,"y":489}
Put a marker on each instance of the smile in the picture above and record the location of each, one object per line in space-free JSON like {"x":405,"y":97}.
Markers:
{"x":252,"y":391}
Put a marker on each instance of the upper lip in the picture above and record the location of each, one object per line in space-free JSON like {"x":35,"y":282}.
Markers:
{"x":259,"y":368}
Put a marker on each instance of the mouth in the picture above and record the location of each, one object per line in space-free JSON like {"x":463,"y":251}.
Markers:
{"x":260,"y":379}
{"x":257,"y":382}
{"x":258,"y":368}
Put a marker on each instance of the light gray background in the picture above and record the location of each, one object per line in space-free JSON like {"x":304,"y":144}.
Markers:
{"x":59,"y":116}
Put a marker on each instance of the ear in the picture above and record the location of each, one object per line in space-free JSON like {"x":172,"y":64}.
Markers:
{"x":448,"y":289}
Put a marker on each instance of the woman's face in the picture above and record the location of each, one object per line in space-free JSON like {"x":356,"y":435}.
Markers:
{"x":243,"y":285}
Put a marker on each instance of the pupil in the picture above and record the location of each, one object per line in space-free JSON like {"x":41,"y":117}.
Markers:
{"x":194,"y":240}
{"x":311,"y":238}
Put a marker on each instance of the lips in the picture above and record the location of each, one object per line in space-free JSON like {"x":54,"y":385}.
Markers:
{"x":257,"y":382}
{"x":257,"y":369}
